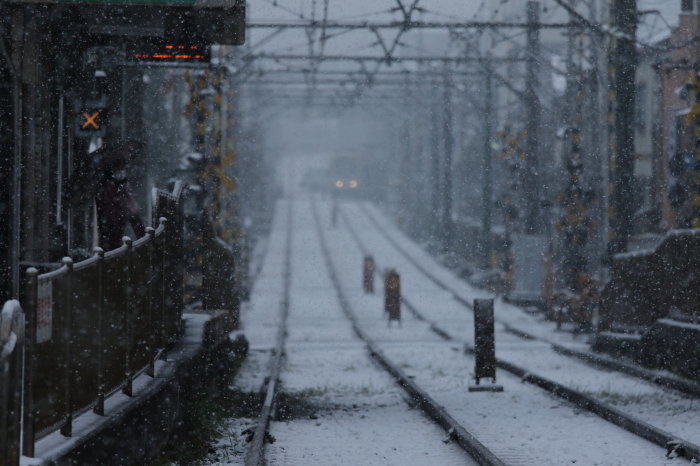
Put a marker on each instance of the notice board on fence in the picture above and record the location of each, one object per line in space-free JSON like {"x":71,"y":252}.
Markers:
{"x":44,"y":312}
{"x":484,"y":341}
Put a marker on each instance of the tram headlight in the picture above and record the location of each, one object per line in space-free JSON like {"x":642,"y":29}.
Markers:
{"x":353,"y":184}
{"x":338,"y":184}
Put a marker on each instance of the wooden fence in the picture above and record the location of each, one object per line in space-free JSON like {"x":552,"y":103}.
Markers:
{"x":652,"y":284}
{"x":94,"y":326}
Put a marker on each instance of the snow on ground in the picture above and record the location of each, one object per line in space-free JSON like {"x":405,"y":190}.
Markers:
{"x":346,"y":409}
{"x":666,"y":409}
{"x":260,"y":320}
{"x":561,"y":431}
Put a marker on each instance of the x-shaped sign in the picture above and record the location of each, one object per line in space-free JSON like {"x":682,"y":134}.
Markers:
{"x":90,"y":120}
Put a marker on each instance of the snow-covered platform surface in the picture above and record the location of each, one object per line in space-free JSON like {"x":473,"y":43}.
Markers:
{"x":349,"y":411}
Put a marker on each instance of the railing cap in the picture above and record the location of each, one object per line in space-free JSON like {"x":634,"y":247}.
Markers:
{"x":68,"y":262}
{"x":128,"y":241}
{"x":32,"y":271}
{"x":10,"y":308}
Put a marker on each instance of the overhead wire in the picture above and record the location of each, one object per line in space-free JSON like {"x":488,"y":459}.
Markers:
{"x":275,"y":3}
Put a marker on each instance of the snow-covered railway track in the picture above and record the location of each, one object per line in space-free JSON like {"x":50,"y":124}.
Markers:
{"x":675,"y":383}
{"x":462,"y":436}
{"x":584,"y":401}
{"x":255,"y":453}
{"x":334,"y":404}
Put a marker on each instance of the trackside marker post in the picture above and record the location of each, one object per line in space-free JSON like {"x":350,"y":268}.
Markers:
{"x":484,"y":347}
{"x":392,"y":295}
{"x":368,"y":274}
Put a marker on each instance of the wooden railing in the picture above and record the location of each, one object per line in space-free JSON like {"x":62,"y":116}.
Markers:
{"x":94,"y":326}
{"x":11,"y":343}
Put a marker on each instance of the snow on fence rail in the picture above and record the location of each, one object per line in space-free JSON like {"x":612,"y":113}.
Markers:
{"x":94,"y":326}
{"x":11,"y":340}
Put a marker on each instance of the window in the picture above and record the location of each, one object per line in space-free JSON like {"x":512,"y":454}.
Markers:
{"x":687,"y":5}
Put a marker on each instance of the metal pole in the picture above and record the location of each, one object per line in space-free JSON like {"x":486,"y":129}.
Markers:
{"x":695,"y":188}
{"x":532,"y":185}
{"x":67,"y":427}
{"x":164,"y":286}
{"x":129,"y":285}
{"x":30,"y":364}
{"x":434,"y":171}
{"x":625,"y":59}
{"x":69,"y":160}
{"x":59,"y":156}
{"x":99,"y":408}
{"x":448,"y":140}
{"x":151,"y":327}
{"x":16,"y":183}
{"x":486,"y":192}
{"x":575,"y":220}
{"x":611,"y":139}
{"x":122,"y":109}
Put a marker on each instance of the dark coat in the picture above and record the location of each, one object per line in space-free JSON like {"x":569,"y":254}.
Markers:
{"x":116,"y":206}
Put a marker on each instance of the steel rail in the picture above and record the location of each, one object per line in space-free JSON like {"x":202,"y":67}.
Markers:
{"x":466,"y":440}
{"x":642,"y":429}
{"x":255,"y":454}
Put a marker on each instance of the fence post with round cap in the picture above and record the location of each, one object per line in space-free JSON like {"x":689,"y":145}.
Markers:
{"x":99,"y":407}
{"x":129,"y":373}
{"x":67,"y":427}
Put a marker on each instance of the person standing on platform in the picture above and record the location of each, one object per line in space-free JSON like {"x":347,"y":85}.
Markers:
{"x":104,"y":178}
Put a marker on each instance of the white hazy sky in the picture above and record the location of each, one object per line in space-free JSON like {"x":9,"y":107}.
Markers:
{"x":653,"y":25}
{"x":362,"y":42}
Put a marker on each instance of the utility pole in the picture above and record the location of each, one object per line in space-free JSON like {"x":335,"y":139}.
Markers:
{"x":485,"y":240}
{"x":448,"y":140}
{"x":435,"y":169}
{"x":624,"y":63}
{"x":533,"y":222}
{"x":610,"y":135}
{"x":596,"y":127}
{"x":575,"y":224}
{"x":695,"y":189}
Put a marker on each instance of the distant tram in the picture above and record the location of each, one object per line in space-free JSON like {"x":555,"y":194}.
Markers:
{"x":360,"y":177}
